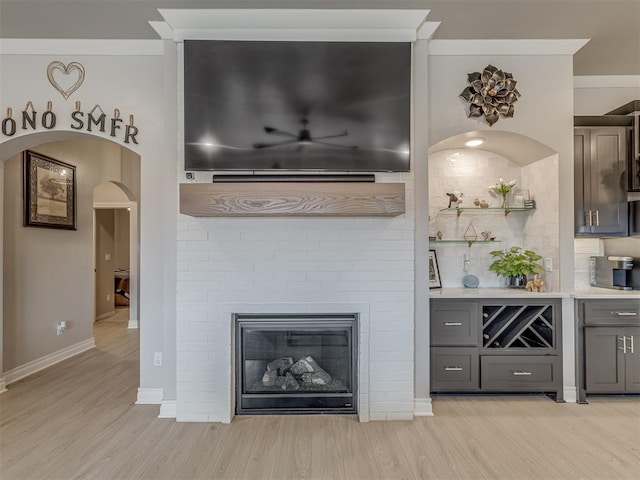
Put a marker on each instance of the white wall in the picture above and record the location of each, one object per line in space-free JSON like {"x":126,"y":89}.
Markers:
{"x":600,"y":95}
{"x":542,"y":113}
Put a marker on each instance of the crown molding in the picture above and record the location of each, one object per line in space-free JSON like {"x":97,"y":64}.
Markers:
{"x":399,"y":25}
{"x":606,"y":81}
{"x":506,"y":47}
{"x":78,"y":46}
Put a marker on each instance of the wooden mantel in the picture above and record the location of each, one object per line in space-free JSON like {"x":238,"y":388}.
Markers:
{"x":292,"y":199}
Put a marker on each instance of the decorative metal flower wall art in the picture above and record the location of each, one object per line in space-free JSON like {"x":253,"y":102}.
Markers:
{"x":491,"y":93}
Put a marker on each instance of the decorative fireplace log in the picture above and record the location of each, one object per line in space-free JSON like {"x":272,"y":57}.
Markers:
{"x":288,"y":382}
{"x":282,"y":373}
{"x":281,"y":364}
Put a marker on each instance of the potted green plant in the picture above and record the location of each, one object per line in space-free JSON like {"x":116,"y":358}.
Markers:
{"x":515,"y":264}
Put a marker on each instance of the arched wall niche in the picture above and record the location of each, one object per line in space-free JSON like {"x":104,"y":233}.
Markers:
{"x":519,"y":148}
{"x":454,"y":167}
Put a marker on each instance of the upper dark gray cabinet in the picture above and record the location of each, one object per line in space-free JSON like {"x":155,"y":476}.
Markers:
{"x":600,"y":155}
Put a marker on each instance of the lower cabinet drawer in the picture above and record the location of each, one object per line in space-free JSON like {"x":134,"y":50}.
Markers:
{"x":619,"y":312}
{"x":520,"y":373}
{"x":454,"y":369}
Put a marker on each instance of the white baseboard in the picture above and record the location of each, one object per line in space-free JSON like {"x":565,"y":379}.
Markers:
{"x":150,"y":396}
{"x":168,"y":409}
{"x":570,"y":394}
{"x":134,"y":324}
{"x":34,"y":366}
{"x":422,"y":407}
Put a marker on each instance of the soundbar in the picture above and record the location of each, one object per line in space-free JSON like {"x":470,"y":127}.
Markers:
{"x":297,"y":178}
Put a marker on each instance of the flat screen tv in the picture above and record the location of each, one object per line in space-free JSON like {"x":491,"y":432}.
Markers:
{"x":317,"y":106}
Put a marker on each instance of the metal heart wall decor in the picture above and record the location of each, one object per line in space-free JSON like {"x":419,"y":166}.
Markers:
{"x":66,"y":71}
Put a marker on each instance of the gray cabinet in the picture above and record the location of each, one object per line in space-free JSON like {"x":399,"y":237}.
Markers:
{"x":496,"y":345}
{"x":600,"y":162}
{"x":608,"y":347}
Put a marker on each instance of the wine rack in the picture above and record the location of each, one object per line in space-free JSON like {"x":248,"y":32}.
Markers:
{"x":518,"y":326}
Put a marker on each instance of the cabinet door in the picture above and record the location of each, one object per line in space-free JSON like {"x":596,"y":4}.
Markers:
{"x":582,"y":174}
{"x":604,"y":360}
{"x":600,"y":198}
{"x":608,"y":180}
{"x":632,"y":360}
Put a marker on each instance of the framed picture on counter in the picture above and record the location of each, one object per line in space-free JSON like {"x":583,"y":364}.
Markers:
{"x":434,"y":272}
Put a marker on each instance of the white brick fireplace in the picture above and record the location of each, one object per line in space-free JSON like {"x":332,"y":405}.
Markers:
{"x":277,"y":265}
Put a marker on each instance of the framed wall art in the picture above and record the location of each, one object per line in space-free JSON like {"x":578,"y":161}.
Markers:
{"x":434,"y":272}
{"x":49,"y":192}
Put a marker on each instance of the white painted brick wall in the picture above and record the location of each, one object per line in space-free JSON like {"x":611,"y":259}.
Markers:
{"x":296,"y":265}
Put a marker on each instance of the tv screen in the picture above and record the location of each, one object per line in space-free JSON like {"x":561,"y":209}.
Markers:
{"x":324,"y":106}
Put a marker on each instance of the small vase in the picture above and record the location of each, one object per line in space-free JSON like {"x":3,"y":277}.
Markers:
{"x":517,"y":281}
{"x":505,"y":201}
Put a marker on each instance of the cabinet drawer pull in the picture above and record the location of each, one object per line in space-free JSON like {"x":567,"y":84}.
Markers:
{"x":521,"y":373}
{"x":625,"y":314}
{"x":624,"y":344}
{"x":453,"y":369}
{"x":452,"y":324}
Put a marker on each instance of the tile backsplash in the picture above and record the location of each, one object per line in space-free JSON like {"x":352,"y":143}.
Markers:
{"x":471,"y":172}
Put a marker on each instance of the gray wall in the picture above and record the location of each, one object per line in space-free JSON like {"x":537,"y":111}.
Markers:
{"x":48,"y":273}
{"x":105,"y":261}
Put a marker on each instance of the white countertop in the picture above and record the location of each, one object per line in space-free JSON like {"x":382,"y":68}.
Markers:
{"x":582,"y":293}
{"x":490,"y":293}
{"x":605,"y":293}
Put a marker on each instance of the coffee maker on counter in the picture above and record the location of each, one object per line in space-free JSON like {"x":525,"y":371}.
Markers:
{"x":620,"y":273}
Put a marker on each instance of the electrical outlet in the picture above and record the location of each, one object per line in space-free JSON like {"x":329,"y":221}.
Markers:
{"x":548,"y":265}
{"x":108,"y":297}
{"x":107,"y":257}
{"x":60,"y":328}
{"x":157,"y":359}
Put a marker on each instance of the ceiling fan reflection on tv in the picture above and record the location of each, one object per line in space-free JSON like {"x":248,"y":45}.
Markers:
{"x":302,"y":138}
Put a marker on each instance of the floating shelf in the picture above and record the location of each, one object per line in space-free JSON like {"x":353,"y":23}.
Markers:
{"x":469,"y":242}
{"x":292,"y":199}
{"x":480,"y":209}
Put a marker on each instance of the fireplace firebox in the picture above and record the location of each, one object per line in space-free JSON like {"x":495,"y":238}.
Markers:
{"x":296,"y":364}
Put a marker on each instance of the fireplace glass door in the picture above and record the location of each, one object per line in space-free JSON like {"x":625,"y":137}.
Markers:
{"x":296,"y":364}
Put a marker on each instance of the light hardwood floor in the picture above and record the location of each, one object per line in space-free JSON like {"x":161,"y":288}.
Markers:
{"x":78,"y":420}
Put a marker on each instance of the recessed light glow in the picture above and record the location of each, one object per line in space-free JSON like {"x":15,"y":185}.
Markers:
{"x":474,"y":142}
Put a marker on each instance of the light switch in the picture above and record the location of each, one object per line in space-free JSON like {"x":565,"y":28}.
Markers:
{"x":107,"y":257}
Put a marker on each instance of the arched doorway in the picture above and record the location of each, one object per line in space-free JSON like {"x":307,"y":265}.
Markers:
{"x":116,"y":198}
{"x":47,"y":274}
